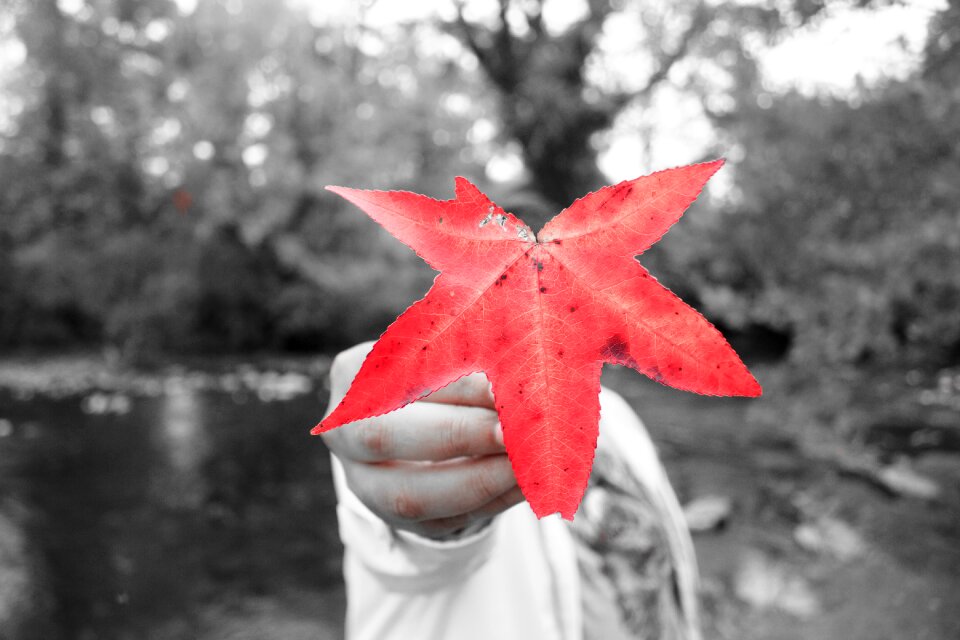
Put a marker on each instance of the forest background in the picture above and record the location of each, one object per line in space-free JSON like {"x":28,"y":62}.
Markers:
{"x":163,"y":166}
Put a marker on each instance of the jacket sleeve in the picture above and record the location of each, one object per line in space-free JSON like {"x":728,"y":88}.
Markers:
{"x":513,"y":580}
{"x":399,"y":560}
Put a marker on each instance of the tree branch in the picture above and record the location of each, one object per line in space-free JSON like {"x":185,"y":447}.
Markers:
{"x":470,"y":36}
{"x":701,"y":18}
{"x":534,"y":18}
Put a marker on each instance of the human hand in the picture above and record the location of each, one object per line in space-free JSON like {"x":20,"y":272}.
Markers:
{"x":434,"y":467}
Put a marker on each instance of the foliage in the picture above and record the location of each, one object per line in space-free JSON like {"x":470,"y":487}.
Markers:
{"x":163,"y":168}
{"x":163,"y":173}
{"x":844,"y":230}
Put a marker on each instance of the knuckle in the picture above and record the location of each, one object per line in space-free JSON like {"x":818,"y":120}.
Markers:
{"x":331,"y":439}
{"x":338,"y":365}
{"x":454,"y":435}
{"x":483,"y":483}
{"x":375,"y":439}
{"x":406,"y":506}
{"x":346,"y":363}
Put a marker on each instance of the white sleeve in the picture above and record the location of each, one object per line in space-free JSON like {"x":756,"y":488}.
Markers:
{"x":515,"y":579}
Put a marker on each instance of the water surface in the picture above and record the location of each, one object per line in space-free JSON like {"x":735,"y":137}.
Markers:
{"x":190,"y":510}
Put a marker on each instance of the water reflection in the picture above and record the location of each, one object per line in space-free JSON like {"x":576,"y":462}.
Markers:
{"x":182,"y":444}
{"x":193,"y":510}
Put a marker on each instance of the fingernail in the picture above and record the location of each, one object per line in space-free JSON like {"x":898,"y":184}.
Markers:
{"x":498,"y":434}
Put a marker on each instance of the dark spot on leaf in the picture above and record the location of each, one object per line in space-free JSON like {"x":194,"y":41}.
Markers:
{"x":440,"y":220}
{"x":556,"y":242}
{"x":560,"y":353}
{"x":423,"y":348}
{"x":617,"y":350}
{"x":572,"y":309}
{"x":503,"y":277}
{"x":543,"y":289}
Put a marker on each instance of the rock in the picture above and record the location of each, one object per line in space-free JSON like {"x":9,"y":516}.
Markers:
{"x":901,"y":479}
{"x":829,"y":536}
{"x":764,"y":583}
{"x":707,"y":513}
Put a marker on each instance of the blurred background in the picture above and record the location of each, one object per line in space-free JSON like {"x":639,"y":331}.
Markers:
{"x":174,"y":280}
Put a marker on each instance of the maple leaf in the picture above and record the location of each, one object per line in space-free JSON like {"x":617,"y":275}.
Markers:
{"x":540,"y":314}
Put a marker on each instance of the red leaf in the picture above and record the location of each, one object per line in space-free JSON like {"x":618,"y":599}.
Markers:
{"x":539,"y":316}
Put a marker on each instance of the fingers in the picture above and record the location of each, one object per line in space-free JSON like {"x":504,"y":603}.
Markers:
{"x":432,"y":467}
{"x":344,"y":369}
{"x":473,"y":390}
{"x":443,"y":527}
{"x":420,"y":431}
{"x":405,"y":492}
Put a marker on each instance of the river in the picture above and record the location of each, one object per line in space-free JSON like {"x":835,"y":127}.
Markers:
{"x":178,"y":505}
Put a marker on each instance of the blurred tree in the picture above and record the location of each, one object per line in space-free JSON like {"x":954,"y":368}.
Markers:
{"x":844,"y":228}
{"x":163,"y":167}
{"x":556,"y":94}
{"x":153,"y":147}
{"x":546,"y":103}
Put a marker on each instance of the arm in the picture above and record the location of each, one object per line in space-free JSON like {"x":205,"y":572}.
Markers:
{"x":432,"y":548}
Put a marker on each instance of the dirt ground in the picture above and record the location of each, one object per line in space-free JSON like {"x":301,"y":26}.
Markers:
{"x":808,"y":550}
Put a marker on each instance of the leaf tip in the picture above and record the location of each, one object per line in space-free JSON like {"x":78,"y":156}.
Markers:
{"x":329,"y":423}
{"x":712,"y":166}
{"x":340,"y":191}
{"x":745,"y":385}
{"x":466,"y":190}
{"x":565,"y":513}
